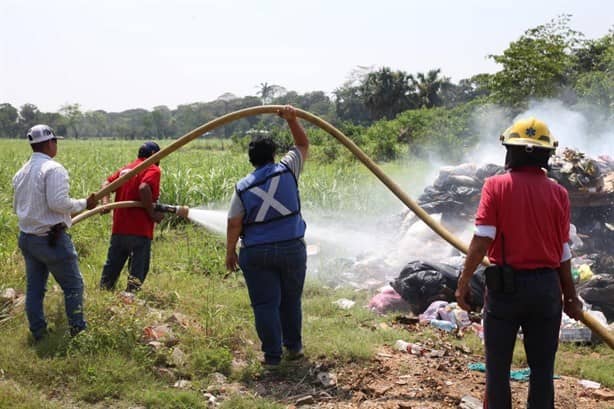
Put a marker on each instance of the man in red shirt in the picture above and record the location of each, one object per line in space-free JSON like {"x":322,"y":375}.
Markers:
{"x":133,"y":226}
{"x":522,"y":222}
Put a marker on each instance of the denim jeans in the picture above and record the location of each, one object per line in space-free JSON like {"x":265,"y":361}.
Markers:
{"x":536,"y":307}
{"x":61,"y":261}
{"x":122,"y":246}
{"x":275,"y":274}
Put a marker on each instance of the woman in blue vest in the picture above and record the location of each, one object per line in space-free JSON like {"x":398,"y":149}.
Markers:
{"x":265,"y":212}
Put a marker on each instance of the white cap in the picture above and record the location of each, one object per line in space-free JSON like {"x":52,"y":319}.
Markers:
{"x":41,"y":133}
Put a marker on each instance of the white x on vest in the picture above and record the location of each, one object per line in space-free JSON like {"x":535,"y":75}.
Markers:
{"x":268,"y":200}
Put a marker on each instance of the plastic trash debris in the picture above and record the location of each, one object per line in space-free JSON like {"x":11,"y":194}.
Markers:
{"x":574,"y":331}
{"x":443,"y":325}
{"x":469,"y":402}
{"x":413,"y":349}
{"x":344,"y":303}
{"x":589,"y":384}
{"x":520,"y":375}
{"x":431,"y":312}
{"x":157,"y":333}
{"x":8,"y":294}
{"x":327,"y":378}
{"x":211,"y":400}
{"x":183,"y":384}
{"x":417,"y":349}
{"x":585,"y":272}
{"x":126,"y":297}
{"x":387,"y":300}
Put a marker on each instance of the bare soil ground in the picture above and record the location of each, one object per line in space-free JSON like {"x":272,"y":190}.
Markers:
{"x":401,"y":380}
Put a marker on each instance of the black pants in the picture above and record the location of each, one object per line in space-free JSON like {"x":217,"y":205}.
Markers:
{"x":536,"y":307}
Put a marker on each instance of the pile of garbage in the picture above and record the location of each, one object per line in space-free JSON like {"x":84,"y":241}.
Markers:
{"x":421,"y":283}
{"x":577,"y":172}
{"x":455,"y":195}
{"x":456,"y":191}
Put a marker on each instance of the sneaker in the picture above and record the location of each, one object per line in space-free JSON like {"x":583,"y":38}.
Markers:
{"x":295,"y":355}
{"x":74,"y":331}
{"x":271,"y":361}
{"x":40,"y":335}
{"x":269,"y":367}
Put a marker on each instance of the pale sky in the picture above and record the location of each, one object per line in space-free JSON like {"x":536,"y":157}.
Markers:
{"x":122,"y":54}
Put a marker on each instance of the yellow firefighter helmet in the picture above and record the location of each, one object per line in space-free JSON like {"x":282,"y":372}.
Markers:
{"x":529,"y":132}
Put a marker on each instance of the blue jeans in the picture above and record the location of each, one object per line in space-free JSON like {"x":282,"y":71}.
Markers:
{"x":275,"y":274}
{"x":122,"y":246}
{"x":61,"y":261}
{"x":536,"y":307}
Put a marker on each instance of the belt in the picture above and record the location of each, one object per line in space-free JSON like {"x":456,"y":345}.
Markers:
{"x":57,"y":227}
{"x":535,"y":271}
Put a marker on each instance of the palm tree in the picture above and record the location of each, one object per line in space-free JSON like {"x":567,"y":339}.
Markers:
{"x":265,"y":92}
{"x":386,"y":93}
{"x":428,"y":87}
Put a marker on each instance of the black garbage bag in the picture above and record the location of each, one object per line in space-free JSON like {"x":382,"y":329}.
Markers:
{"x":489,"y":170}
{"x":599,"y":292}
{"x":421,"y":282}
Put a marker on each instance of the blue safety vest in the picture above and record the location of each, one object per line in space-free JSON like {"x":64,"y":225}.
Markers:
{"x":272,"y":206}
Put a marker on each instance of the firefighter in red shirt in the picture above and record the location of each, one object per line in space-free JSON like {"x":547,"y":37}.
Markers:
{"x":522,"y":222}
{"x":133,"y":226}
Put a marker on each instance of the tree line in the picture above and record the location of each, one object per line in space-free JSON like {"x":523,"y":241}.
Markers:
{"x":548,"y":61}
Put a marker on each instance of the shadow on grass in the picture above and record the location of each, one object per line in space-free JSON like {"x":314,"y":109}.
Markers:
{"x":292,"y":380}
{"x":55,"y":342}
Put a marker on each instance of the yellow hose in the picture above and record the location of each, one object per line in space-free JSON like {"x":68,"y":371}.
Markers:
{"x":588,"y":320}
{"x":109,"y":206}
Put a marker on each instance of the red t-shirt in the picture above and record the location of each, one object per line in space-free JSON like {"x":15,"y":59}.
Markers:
{"x":531,"y":212}
{"x":135,"y":220}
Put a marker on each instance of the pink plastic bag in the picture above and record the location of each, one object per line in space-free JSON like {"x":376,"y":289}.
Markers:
{"x":387,"y":300}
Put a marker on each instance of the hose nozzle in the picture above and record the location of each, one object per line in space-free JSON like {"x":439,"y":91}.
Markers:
{"x":178,"y":210}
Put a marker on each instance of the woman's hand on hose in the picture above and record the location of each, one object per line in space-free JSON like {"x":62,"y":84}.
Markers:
{"x":288,"y":113}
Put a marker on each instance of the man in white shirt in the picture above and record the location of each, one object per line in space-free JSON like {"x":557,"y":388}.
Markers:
{"x":44,"y":207}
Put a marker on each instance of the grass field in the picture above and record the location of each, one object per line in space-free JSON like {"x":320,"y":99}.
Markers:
{"x":108,"y":366}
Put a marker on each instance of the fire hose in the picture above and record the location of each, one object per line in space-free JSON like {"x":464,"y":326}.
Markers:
{"x":587,"y":319}
{"x":158,"y":207}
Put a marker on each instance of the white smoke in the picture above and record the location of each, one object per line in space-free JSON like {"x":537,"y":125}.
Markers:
{"x":586,"y":129}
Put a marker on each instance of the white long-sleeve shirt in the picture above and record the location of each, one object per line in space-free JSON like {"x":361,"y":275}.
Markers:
{"x":41,"y":197}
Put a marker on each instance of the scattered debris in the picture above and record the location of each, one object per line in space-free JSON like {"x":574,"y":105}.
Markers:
{"x":127,"y":297}
{"x":178,"y":357}
{"x":327,"y":379}
{"x":386,"y":300}
{"x":344,"y":303}
{"x":211,"y":400}
{"x":8,"y":295}
{"x":163,"y":333}
{"x":589,"y":384}
{"x":305,"y":400}
{"x":183,"y":384}
{"x":469,"y":402}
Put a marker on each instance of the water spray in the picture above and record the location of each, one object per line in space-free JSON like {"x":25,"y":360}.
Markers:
{"x":587,"y":319}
